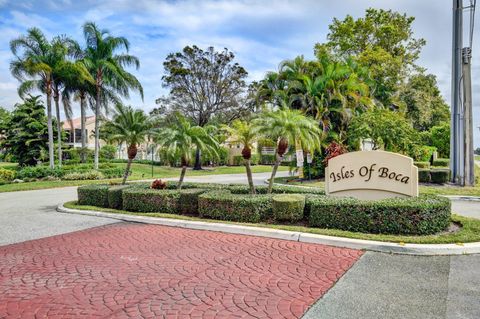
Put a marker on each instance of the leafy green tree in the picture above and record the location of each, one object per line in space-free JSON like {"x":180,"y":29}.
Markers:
{"x":383,"y":41}
{"x":388,"y":130}
{"x":440,"y":138}
{"x":288,"y":127}
{"x":26,"y":134}
{"x":5,"y":117}
{"x":106,"y":66}
{"x":35,"y":58}
{"x":243,"y":132}
{"x":129,"y":126}
{"x":181,"y":137}
{"x":205,"y":85}
{"x":425,"y":105}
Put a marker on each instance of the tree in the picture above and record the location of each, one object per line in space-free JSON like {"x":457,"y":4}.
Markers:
{"x":383,"y":41}
{"x":440,"y":138}
{"x":289,"y":127}
{"x":425,"y":105}
{"x":204,"y":85}
{"x":181,"y":137}
{"x":5,"y":117}
{"x":35,"y":58}
{"x":27,"y":131}
{"x":107,"y":68}
{"x":243,"y":132}
{"x":129,"y":126}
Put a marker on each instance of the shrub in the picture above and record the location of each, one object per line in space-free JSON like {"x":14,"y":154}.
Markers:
{"x":89,"y":175}
{"x":441,"y":162}
{"x":277,"y":189}
{"x":267,"y":159}
{"x":440,"y":176}
{"x":288,"y":207}
{"x":414,"y":216}
{"x":6,"y":175}
{"x":93,"y":195}
{"x":107,"y":152}
{"x":423,"y":153}
{"x":114,"y":172}
{"x":422,"y":164}
{"x":224,"y":205}
{"x":333,"y":150}
{"x":238,"y":160}
{"x":158,"y":184}
{"x":424,"y":175}
{"x":39,"y":172}
{"x":115,"y":196}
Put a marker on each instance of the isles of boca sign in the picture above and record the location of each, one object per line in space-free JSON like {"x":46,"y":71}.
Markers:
{"x":371,"y":175}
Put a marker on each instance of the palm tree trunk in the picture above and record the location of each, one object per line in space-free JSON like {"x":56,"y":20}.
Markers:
{"x":182,"y":176}
{"x":127,"y":170}
{"x":249,"y":176}
{"x":97,"y":127}
{"x":59,"y":128}
{"x":198,"y":160}
{"x":274,"y":172}
{"x":50,"y":127}
{"x":83,"y":157}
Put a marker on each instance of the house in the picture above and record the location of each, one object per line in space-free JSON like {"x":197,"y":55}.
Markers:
{"x":75,"y":137}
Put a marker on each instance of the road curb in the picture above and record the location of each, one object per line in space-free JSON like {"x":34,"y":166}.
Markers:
{"x":385,"y":247}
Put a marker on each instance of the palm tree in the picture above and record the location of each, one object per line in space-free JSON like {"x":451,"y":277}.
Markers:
{"x":181,"y":138}
{"x":107,"y":68}
{"x":289,"y":127}
{"x":34,"y":64}
{"x":129,"y":126}
{"x":242,"y":132}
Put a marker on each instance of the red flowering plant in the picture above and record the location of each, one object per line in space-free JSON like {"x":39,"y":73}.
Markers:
{"x":158,"y":184}
{"x":334,"y":149}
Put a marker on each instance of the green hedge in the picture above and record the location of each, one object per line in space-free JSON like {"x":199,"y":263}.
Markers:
{"x":277,"y":189}
{"x":222,"y":204}
{"x":413,"y":216}
{"x":115,"y":196}
{"x":424,"y":175}
{"x":441,"y":162}
{"x":93,"y":195}
{"x":422,"y":164}
{"x":288,"y":207}
{"x":440,"y":176}
{"x":170,"y":201}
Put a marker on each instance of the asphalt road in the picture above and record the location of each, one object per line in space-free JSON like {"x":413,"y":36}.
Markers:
{"x":378,"y":285}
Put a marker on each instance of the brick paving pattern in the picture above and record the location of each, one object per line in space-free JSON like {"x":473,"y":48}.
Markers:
{"x":128,"y":270}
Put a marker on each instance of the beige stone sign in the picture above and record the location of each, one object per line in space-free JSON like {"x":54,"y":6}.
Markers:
{"x":371,"y":175}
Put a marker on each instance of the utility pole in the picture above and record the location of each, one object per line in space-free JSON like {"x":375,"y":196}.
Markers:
{"x":467,"y":104}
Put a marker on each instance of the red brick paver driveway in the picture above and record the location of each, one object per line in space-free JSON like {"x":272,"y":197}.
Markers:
{"x":147,"y":271}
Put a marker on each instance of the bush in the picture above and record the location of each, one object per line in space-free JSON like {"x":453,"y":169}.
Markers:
{"x":93,"y":195}
{"x":6,"y":175}
{"x":267,"y":159}
{"x":288,"y":207}
{"x":423,"y":153}
{"x":38,"y":172}
{"x":237,"y":160}
{"x":163,"y":201}
{"x":424,"y":175}
{"x":440,"y":176}
{"x":441,"y":162}
{"x":412,"y":216}
{"x":78,"y":176}
{"x":422,"y":164}
{"x":115,"y":196}
{"x":114,"y":172}
{"x":277,"y":189}
{"x":158,"y":184}
{"x":224,"y":205}
{"x":107,"y":152}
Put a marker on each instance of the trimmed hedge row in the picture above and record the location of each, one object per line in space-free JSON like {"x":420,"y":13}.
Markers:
{"x":413,"y":216}
{"x":436,"y":175}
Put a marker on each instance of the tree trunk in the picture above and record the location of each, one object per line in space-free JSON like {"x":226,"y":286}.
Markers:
{"x":182,"y":176}
{"x":198,"y":160}
{"x":83,"y":155}
{"x":132,"y":152}
{"x":127,"y":170}
{"x":97,"y":128}
{"x":274,"y":172}
{"x":59,"y":128}
{"x":249,"y":176}
{"x":51,"y":156}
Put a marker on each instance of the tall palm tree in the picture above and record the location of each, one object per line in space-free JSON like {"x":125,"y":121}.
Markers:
{"x":33,"y":65}
{"x":129,"y":126}
{"x":242,"y":132}
{"x":289,"y":127}
{"x":107,"y":68}
{"x":181,"y":137}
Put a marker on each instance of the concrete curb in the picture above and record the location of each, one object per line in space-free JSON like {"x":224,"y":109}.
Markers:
{"x":385,"y":247}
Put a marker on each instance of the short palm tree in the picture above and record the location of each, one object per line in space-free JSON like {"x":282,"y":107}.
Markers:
{"x":107,"y":68}
{"x":181,"y":138}
{"x":289,"y":127}
{"x":242,"y":132}
{"x":129,"y":126}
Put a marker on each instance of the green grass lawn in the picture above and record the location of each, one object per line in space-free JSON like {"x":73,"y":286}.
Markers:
{"x":424,"y":189}
{"x":469,"y":232}
{"x":139,"y":172}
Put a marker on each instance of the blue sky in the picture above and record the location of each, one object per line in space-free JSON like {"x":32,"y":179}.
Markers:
{"x":260,"y":33}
